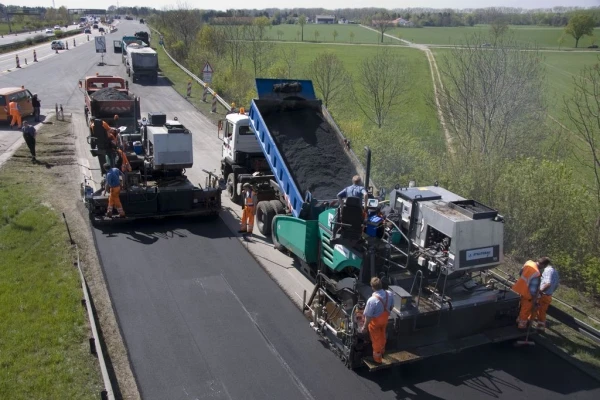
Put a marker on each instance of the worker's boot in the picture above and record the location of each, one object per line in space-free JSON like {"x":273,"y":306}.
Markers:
{"x":242,"y":231}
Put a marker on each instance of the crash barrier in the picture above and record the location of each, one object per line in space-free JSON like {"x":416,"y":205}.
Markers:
{"x":5,"y":48}
{"x":35,"y":56}
{"x":96,"y":347}
{"x":195,"y":78}
{"x":18,"y":63}
{"x":558,"y":314}
{"x":189,"y":89}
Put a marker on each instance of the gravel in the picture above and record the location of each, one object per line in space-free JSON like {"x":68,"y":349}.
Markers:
{"x":311,"y":150}
{"x":110,"y":94}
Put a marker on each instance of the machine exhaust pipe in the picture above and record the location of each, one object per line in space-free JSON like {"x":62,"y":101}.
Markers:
{"x":368,"y":171}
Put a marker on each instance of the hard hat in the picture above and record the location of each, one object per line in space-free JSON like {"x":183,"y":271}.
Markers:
{"x":245,"y":185}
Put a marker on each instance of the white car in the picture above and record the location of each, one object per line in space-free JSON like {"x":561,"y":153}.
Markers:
{"x":56,"y":27}
{"x":49,"y":31}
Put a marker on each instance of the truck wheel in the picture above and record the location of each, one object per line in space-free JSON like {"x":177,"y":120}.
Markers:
{"x":276,"y":244}
{"x":278,"y":207}
{"x":232,"y":188}
{"x":264,"y":217}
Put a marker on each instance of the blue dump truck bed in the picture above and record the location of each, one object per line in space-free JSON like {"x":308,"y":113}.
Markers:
{"x":305,"y":153}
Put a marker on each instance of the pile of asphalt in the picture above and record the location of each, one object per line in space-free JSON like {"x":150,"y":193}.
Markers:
{"x":311,"y":150}
{"x":110,"y":94}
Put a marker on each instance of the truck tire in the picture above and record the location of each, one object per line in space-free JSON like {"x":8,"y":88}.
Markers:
{"x":232,"y":188}
{"x":264,"y":217}
{"x":278,"y":207}
{"x":276,"y":245}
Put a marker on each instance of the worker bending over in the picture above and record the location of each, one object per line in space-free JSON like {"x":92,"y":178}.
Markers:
{"x":355,"y":190}
{"x":377,"y":312}
{"x":547,"y":288}
{"x":15,"y":112}
{"x":249,"y":210}
{"x":113,"y":186}
{"x":527,"y":286}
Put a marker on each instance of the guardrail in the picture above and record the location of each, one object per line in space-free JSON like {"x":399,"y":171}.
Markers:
{"x":194,"y":77}
{"x":561,"y":315}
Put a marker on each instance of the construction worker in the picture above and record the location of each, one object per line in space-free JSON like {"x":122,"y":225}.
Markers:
{"x":29,"y":134}
{"x":36,"y":104}
{"x":355,"y":190}
{"x":377,"y":312}
{"x":125,"y":167}
{"x":15,"y":112}
{"x":248,"y":211}
{"x":113,"y":186}
{"x":548,"y":286}
{"x":527,"y":286}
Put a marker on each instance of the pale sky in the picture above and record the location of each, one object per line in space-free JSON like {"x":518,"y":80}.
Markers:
{"x":331,"y":4}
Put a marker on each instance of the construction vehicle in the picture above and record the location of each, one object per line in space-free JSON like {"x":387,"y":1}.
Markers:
{"x":120,"y":46}
{"x":143,"y":36}
{"x":158,"y":152}
{"x":430,"y":247}
{"x":105,"y":97}
{"x":141,"y":62}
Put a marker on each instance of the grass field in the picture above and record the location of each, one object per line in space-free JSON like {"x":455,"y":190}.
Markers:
{"x":44,"y":351}
{"x":544,"y":37}
{"x":361,"y":35}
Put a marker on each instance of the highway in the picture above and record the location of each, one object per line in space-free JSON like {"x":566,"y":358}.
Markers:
{"x":202,"y":319}
{"x":19,"y":37}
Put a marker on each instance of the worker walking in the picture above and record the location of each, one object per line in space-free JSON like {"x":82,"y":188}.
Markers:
{"x":15,"y":112}
{"x":355,"y":190}
{"x":527,"y":286}
{"x":113,"y":186}
{"x":36,"y":104}
{"x":548,"y":286}
{"x":377,"y":312}
{"x":29,"y":134}
{"x":248,"y":211}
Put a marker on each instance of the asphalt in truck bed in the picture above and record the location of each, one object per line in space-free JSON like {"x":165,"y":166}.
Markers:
{"x":311,"y":149}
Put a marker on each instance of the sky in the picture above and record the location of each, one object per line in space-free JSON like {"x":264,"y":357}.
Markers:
{"x":331,"y":4}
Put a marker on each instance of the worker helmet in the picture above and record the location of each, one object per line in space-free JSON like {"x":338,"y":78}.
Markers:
{"x":246,"y":185}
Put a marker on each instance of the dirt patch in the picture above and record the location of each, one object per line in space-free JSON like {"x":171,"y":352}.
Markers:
{"x":57,"y":176}
{"x":312,"y":151}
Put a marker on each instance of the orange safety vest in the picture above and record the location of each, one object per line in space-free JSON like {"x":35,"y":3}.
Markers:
{"x":13,"y":107}
{"x":125,"y":167}
{"x":530,"y":270}
{"x":248,"y":199}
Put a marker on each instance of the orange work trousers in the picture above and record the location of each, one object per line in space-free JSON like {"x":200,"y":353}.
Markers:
{"x":525,"y":312}
{"x":248,"y":219}
{"x":115,"y":201}
{"x":16,"y":119}
{"x":377,"y":328}
{"x":544,"y":303}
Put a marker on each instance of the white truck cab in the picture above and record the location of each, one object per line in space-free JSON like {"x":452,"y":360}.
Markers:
{"x":240,"y":152}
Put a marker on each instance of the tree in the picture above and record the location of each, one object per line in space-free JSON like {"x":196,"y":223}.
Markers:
{"x":382,"y":21}
{"x":329,"y":76}
{"x":302,"y":22}
{"x":259,"y":49}
{"x":499,"y":27}
{"x":235,"y":34}
{"x":334,"y":34}
{"x":493,"y":101}
{"x":561,"y":40}
{"x":317,"y":34}
{"x":352,"y":36}
{"x":583,"y":109}
{"x":579,"y":26}
{"x":381,"y":83}
{"x":289,"y":55}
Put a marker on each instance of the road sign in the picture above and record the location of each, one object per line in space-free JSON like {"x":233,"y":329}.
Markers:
{"x":207,"y":69}
{"x":100,"y":44}
{"x":207,"y":77}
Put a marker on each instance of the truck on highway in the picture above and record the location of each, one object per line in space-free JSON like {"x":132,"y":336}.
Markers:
{"x":143,"y":36}
{"x":432,"y":249}
{"x":141,"y":63}
{"x":120,"y":46}
{"x":107,"y":96}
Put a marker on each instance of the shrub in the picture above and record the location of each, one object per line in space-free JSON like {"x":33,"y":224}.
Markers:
{"x":59,"y":33}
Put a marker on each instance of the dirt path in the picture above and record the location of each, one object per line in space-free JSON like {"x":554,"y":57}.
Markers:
{"x":435,"y":78}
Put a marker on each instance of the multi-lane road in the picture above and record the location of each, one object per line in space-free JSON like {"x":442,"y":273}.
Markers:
{"x":202,"y":319}
{"x":19,"y":37}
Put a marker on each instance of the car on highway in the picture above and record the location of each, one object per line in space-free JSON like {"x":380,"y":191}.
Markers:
{"x":57,"y":45}
{"x":49,"y":31}
{"x":95,"y":26}
{"x":56,"y":27}
{"x":594,"y":46}
{"x":19,"y":94}
{"x":88,"y":31}
{"x":101,"y":29}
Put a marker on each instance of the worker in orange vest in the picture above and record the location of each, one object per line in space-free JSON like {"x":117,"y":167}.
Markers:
{"x":125,"y":167}
{"x":528,"y":287}
{"x":248,"y":211}
{"x":113,"y":187}
{"x":377,"y":311}
{"x":15,"y":112}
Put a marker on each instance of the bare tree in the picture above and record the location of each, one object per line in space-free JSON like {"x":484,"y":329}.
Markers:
{"x":380,"y":85}
{"x":583,"y":109}
{"x":184,"y":24}
{"x":329,"y":76}
{"x":492,"y":98}
{"x":382,"y":21}
{"x":260,"y":49}
{"x":302,"y":22}
{"x":234,"y":34}
{"x":289,"y":55}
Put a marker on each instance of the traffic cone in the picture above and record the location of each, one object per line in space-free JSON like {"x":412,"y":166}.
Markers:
{"x":18,"y":62}
{"x":35,"y":56}
{"x":74,"y":44}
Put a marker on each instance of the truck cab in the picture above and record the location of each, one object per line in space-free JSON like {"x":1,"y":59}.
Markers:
{"x":240,"y":152}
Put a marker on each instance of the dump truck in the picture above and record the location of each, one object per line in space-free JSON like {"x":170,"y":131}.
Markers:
{"x":107,"y":97}
{"x":120,"y":46}
{"x":158,"y":152}
{"x":141,"y":63}
{"x":432,"y":248}
{"x":143,"y":36}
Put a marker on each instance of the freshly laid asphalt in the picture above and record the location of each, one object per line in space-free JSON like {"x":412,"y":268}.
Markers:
{"x":202,"y":319}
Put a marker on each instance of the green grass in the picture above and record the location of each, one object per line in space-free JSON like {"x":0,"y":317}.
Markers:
{"x":44,"y":351}
{"x":361,"y":35}
{"x":542,"y":36}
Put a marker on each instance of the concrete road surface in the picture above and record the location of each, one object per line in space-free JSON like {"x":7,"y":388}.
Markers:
{"x":202,"y":319}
